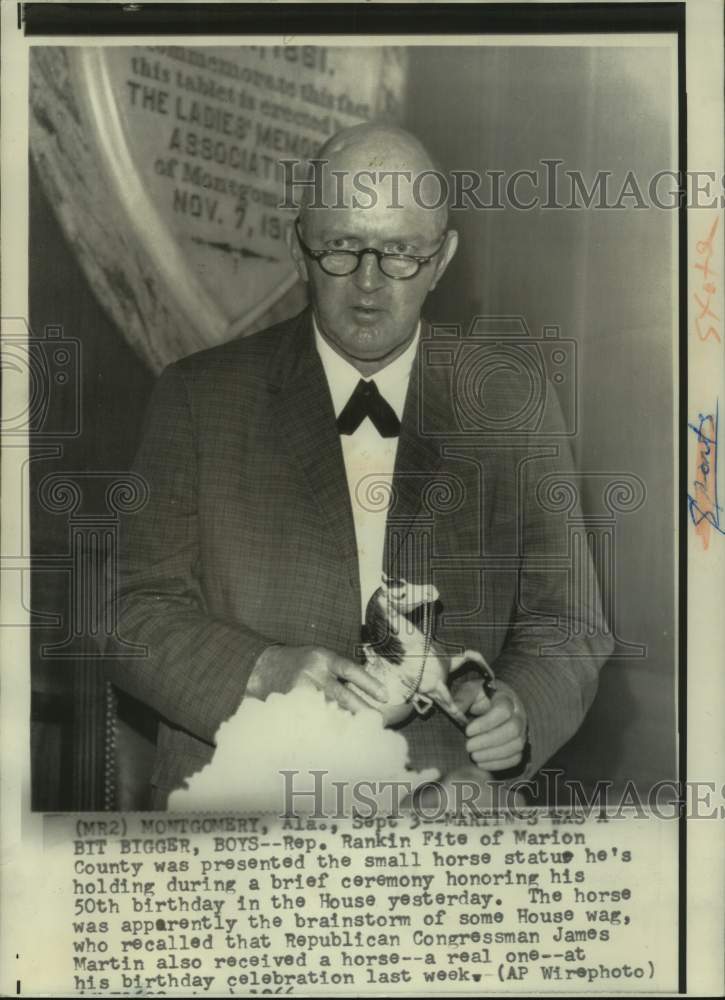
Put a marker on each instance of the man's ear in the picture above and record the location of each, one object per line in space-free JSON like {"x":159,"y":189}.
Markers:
{"x":445,"y":256}
{"x":293,"y":245}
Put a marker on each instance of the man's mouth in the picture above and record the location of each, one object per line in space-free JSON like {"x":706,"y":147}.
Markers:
{"x":365,"y":311}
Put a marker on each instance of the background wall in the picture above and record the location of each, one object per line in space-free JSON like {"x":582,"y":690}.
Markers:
{"x":606,"y":278}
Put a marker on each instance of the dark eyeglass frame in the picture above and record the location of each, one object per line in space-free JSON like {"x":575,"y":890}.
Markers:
{"x":380,"y":255}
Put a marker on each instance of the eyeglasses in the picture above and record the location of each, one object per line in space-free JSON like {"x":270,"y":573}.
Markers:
{"x":340,"y":263}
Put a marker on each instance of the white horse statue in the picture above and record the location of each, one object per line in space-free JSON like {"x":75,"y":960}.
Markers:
{"x":400,"y":653}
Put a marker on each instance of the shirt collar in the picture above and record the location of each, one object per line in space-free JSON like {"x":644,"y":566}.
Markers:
{"x":342,"y":377}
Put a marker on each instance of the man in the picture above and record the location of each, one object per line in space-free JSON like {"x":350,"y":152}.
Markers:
{"x":264,"y":537}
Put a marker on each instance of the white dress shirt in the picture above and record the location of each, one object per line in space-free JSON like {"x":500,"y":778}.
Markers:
{"x":369,"y":458}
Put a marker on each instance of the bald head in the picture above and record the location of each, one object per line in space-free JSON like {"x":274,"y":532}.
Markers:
{"x":379,"y":146}
{"x":378,"y":162}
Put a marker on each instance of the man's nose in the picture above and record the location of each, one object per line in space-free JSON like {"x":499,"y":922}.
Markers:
{"x":368,"y":277}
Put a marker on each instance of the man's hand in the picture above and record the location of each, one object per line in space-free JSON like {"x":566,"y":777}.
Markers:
{"x":282,"y":668}
{"x":496,"y":737}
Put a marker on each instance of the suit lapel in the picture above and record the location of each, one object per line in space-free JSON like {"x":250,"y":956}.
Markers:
{"x":419,"y":455}
{"x":303,"y":408}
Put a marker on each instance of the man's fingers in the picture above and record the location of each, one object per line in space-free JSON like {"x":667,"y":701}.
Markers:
{"x":500,"y":711}
{"x":496,"y":736}
{"x":311,"y":678}
{"x":472,"y":699}
{"x":352,"y":673}
{"x":501,"y":765}
{"x":500,"y":705}
{"x":346,"y":698}
{"x":481,"y":703}
{"x":334,"y":674}
{"x":507,"y":732}
{"x":487,"y":755}
{"x":470,"y":694}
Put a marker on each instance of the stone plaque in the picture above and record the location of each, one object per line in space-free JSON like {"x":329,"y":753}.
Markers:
{"x":163,"y":165}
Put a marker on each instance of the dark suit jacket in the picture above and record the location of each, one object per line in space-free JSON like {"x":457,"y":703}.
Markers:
{"x":248,"y":539}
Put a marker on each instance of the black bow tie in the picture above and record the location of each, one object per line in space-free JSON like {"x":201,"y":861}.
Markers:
{"x":366,"y":401}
